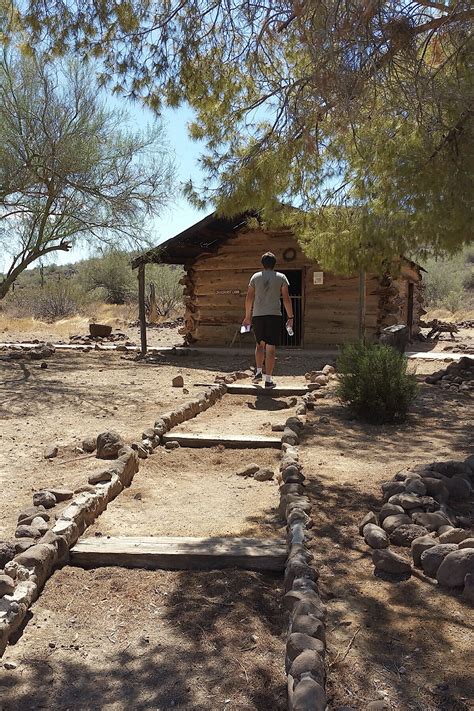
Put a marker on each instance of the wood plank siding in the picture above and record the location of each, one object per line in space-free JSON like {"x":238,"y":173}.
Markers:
{"x":330,"y":310}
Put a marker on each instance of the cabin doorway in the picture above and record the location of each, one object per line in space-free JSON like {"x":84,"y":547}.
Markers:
{"x":411,"y":289}
{"x":295,"y":278}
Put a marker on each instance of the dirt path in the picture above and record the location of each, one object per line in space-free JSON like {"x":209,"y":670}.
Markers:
{"x":414,"y":643}
{"x":117,"y":639}
{"x":195,"y":492}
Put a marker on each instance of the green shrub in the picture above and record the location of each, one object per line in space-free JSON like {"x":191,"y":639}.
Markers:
{"x":55,"y":301}
{"x":374,"y":382}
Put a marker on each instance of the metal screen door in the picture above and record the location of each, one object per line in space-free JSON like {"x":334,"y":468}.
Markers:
{"x":295,"y":277}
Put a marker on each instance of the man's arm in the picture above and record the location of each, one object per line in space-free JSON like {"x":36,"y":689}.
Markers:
{"x":287,"y":303}
{"x":249,"y":299}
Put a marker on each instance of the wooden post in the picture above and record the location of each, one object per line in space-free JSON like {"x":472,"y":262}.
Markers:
{"x":362,"y":305}
{"x":141,"y":307}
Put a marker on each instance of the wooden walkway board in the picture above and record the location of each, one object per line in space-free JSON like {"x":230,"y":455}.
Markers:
{"x":283,"y":391}
{"x":180,"y":553}
{"x":189,"y":439}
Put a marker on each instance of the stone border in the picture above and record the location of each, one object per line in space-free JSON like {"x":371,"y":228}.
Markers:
{"x":29,"y":570}
{"x":305,"y":646}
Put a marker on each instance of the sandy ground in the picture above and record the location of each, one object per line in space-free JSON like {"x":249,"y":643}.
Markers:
{"x":77,"y":396}
{"x":82,"y":394}
{"x":413,"y":643}
{"x":194,"y":492}
{"x":243,"y":414}
{"x":117,"y":640}
{"x":87,"y":648}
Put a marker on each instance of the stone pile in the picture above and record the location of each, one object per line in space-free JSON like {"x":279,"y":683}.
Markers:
{"x":39,"y":352}
{"x":305,"y":647}
{"x":89,"y":340}
{"x":458,"y":376}
{"x":418,"y":514}
{"x":44,"y":535}
{"x":319,"y":378}
{"x":230,"y":378}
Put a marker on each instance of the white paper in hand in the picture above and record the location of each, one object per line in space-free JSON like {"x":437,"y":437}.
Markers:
{"x":244,"y":329}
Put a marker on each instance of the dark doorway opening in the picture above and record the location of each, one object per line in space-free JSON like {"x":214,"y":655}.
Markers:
{"x":295,"y":277}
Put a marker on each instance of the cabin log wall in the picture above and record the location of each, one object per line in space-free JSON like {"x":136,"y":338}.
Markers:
{"x":330,"y":315}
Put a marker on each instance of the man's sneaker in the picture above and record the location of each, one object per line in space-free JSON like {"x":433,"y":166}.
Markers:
{"x":270,"y":384}
{"x":257,"y":378}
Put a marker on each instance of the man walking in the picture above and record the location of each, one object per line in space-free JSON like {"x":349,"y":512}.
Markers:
{"x":263,"y":312}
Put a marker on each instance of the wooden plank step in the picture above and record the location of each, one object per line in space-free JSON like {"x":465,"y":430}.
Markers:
{"x":281,"y":391}
{"x":191,"y":439}
{"x":180,"y":553}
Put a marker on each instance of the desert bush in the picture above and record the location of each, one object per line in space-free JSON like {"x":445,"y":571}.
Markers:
{"x":55,"y":301}
{"x":449,"y":282}
{"x":112,"y":274}
{"x":168,"y":290}
{"x":374,"y":382}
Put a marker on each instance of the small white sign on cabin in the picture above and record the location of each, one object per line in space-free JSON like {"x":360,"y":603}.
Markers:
{"x":318,"y":277}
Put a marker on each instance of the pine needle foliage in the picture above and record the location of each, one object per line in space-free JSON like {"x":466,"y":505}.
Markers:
{"x":374,"y":382}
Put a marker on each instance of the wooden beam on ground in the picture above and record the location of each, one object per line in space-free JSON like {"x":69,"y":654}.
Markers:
{"x":141,"y":307}
{"x":191,"y":439}
{"x":282,"y":391}
{"x":180,"y":553}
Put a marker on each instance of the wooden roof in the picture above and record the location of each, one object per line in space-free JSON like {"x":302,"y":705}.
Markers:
{"x":204,"y":237}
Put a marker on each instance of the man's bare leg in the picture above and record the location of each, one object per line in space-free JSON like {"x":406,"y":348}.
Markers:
{"x":270,"y":357}
{"x":260,"y":355}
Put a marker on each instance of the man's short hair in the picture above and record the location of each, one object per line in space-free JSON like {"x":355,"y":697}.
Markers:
{"x":268,"y":260}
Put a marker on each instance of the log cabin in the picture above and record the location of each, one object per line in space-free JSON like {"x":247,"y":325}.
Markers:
{"x":219,"y":256}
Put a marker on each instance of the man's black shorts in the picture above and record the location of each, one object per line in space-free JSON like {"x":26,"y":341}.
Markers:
{"x":267,"y":329}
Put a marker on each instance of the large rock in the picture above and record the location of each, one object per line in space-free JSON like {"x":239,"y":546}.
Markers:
{"x":393,"y":522}
{"x":264,"y":474}
{"x":374,"y":536}
{"x":89,"y":444}
{"x":310,"y":662}
{"x":50,"y":451}
{"x":419,"y":546}
{"x":27,"y":532}
{"x":61,"y":494}
{"x":7,"y":586}
{"x":389,"y":562}
{"x":430,"y":521}
{"x":415,"y":486}
{"x":248,"y":470}
{"x":467,"y":543}
{"x":298,"y":642}
{"x":310,"y":625}
{"x":390,"y":488}
{"x":405,"y":534}
{"x":44,"y":498}
{"x":459,"y":488}
{"x":307,"y":695}
{"x":100,"y":330}
{"x":455,"y":535}
{"x":369,"y":517}
{"x":7,"y":552}
{"x":437,"y":489}
{"x":109,"y":445}
{"x":432,"y":558}
{"x":409,"y":501}
{"x":389,"y":510}
{"x":454,"y":568}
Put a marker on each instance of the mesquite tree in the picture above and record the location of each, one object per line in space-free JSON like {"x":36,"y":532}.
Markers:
{"x":70,"y":170}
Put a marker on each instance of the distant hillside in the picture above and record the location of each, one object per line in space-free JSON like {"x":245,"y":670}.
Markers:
{"x":449,"y":283}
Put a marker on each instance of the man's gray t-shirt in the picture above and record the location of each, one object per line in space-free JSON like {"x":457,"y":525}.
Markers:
{"x":267,"y":285}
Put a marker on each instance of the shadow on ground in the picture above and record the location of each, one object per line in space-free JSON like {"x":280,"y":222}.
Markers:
{"x":151,"y":640}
